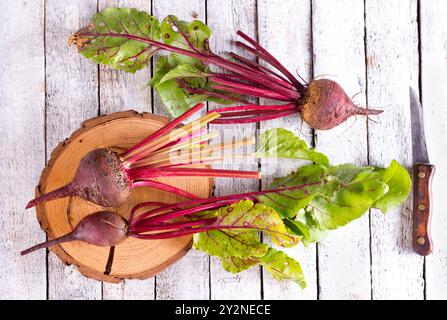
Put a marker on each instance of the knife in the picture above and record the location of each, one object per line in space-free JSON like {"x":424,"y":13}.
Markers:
{"x":423,"y":174}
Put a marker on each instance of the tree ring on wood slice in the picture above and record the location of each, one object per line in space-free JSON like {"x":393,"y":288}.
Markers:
{"x":134,"y":258}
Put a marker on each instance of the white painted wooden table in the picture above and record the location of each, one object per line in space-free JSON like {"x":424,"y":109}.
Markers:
{"x":376,"y":47}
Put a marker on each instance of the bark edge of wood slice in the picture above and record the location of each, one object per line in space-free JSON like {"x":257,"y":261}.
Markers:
{"x":134,"y":258}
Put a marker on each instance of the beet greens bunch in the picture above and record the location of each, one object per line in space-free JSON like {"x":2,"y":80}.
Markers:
{"x":300,"y":207}
{"x":127,"y":38}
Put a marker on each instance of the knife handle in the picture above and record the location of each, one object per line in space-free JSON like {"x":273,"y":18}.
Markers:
{"x":422,"y":207}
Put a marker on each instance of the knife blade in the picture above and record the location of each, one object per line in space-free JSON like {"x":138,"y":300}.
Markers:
{"x":423,"y":175}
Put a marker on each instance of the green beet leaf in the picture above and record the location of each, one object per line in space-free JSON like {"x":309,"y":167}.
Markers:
{"x":281,"y":143}
{"x":226,"y":243}
{"x":282,"y":267}
{"x":176,"y":99}
{"x":116,"y":37}
{"x":306,"y":225}
{"x":237,"y":234}
{"x":322,"y":197}
{"x":185,"y":35}
{"x":298,"y":189}
{"x":96,"y":42}
{"x":297,"y":227}
{"x":183,"y":71}
{"x":316,"y":235}
{"x":359,"y":187}
{"x":349,"y":172}
{"x":399,"y":184}
{"x":325,"y":198}
{"x":346,"y":204}
{"x":236,"y":265}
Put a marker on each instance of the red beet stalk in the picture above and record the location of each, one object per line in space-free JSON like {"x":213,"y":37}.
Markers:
{"x":106,"y":178}
{"x":163,"y":213}
{"x":105,"y":228}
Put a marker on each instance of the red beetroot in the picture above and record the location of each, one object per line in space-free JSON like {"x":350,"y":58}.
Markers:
{"x":103,"y":228}
{"x":107,"y":228}
{"x":326,"y":103}
{"x":100,"y":178}
{"x":105,"y":177}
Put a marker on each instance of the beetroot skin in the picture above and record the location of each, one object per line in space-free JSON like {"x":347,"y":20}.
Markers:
{"x":326,"y":105}
{"x":100,"y":178}
{"x":103,"y":228}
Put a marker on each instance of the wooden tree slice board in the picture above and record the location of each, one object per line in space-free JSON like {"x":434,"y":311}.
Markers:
{"x":134,"y":258}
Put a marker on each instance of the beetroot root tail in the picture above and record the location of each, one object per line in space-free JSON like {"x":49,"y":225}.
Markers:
{"x":68,"y":237}
{"x":62,"y":192}
{"x":366,"y":112}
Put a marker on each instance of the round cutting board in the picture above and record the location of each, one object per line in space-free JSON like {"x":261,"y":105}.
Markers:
{"x":134,"y":258}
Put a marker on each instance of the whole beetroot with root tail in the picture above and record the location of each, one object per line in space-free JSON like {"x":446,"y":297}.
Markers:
{"x":105,"y":177}
{"x":103,"y":229}
{"x":186,"y":74}
{"x":228,"y":226}
{"x":326,"y":103}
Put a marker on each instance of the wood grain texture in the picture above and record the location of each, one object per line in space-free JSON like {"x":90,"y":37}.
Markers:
{"x":188,"y":278}
{"x":72,"y":97}
{"x":22,"y":96}
{"x":120,"y":91}
{"x":338,"y":41}
{"x":225,"y":18}
{"x":397,"y":273}
{"x":185,"y":280}
{"x":422,"y":208}
{"x":129,"y":290}
{"x":434,"y":101}
{"x":290,"y":41}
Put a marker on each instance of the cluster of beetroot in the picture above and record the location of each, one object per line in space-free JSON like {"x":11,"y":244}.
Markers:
{"x":106,"y":228}
{"x":105,"y":177}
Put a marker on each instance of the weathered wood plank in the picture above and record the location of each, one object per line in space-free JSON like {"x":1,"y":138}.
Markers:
{"x":72,"y":96}
{"x":129,"y":290}
{"x":391,"y":67}
{"x":434,"y":96}
{"x":189,"y":277}
{"x":225,"y":18}
{"x":22,"y":96}
{"x":289,"y":40}
{"x":120,"y":91}
{"x":186,"y":279}
{"x":338,"y":42}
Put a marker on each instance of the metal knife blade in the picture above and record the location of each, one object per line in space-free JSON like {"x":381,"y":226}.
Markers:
{"x":423,"y":174}
{"x":420,"y":153}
